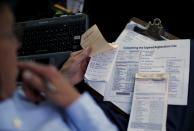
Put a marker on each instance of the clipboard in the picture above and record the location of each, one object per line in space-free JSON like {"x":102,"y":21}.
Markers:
{"x":173,"y":110}
{"x":153,"y":30}
{"x":114,"y":112}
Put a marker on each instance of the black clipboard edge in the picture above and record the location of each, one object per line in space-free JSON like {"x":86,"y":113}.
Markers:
{"x":143,"y":23}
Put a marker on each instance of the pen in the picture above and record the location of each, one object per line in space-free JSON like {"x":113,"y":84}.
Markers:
{"x":63,"y":9}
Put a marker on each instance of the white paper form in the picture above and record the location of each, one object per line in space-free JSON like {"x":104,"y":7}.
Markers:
{"x":157,"y":56}
{"x":100,"y":66}
{"x":149,"y":108}
{"x":99,"y":86}
{"x":166,"y":57}
{"x":126,"y":64}
{"x":92,"y":74}
{"x":126,"y":106}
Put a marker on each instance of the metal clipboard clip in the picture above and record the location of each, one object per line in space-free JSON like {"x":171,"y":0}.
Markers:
{"x":153,"y":30}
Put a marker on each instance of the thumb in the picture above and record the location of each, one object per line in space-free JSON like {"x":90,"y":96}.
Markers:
{"x":82,"y":56}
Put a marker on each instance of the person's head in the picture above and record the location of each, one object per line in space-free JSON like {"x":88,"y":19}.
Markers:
{"x":8,"y":52}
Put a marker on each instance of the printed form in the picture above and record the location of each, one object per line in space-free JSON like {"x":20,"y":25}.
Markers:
{"x":149,"y":56}
{"x":100,"y":67}
{"x":101,"y":62}
{"x":149,"y":107}
{"x":112,"y":73}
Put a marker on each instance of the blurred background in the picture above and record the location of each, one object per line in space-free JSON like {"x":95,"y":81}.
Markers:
{"x":111,"y":16}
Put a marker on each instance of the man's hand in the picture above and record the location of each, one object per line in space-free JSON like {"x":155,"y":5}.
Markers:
{"x":75,"y":67}
{"x":40,"y":77}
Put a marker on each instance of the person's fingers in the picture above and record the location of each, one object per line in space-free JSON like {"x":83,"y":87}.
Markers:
{"x":31,"y":66}
{"x":83,"y":55}
{"x":45,"y":72}
{"x":76,"y":52}
{"x":31,"y":94}
{"x":84,"y":65}
{"x":34,"y":81}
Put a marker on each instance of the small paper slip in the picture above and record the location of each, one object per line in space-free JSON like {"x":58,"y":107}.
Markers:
{"x":149,"y":106}
{"x":93,"y":38}
{"x":100,"y":66}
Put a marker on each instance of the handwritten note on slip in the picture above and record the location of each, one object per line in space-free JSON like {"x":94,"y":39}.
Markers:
{"x":93,"y":38}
